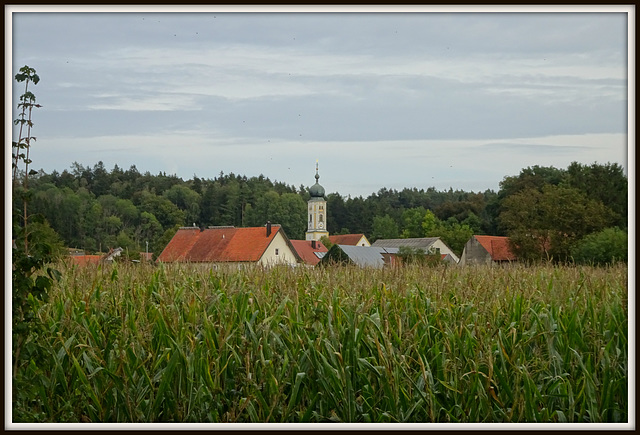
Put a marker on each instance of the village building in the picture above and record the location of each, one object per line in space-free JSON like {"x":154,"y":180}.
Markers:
{"x":350,"y":239}
{"x":487,"y":250}
{"x":362,"y":256}
{"x":78,"y":257}
{"x":429,"y":244}
{"x":216,"y":245}
{"x":310,"y":251}
{"x":317,"y":206}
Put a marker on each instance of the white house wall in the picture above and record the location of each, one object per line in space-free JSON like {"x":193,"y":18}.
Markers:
{"x":444,"y":249}
{"x":285,"y":255}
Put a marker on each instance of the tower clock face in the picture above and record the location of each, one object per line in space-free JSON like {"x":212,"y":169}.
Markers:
{"x":320,"y":225}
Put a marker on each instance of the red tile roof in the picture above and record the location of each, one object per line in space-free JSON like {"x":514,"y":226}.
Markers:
{"x":146,"y":256}
{"x":498,"y":247}
{"x":219,"y":244}
{"x":346,"y":239}
{"x":306,"y":251}
{"x":82,"y":260}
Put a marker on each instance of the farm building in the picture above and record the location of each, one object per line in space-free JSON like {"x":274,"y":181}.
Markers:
{"x":487,"y":249}
{"x":77,"y":257}
{"x":350,"y":239}
{"x":310,"y":251}
{"x":433,"y":244}
{"x":267,"y":246}
{"x":362,"y":256}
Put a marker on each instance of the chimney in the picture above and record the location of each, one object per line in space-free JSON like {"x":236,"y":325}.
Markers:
{"x":268,"y":228}
{"x":313,"y":244}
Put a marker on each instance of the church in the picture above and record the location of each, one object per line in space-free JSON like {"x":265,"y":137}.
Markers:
{"x":317,"y":226}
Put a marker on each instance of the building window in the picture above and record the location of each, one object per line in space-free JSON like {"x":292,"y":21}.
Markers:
{"x":276,"y":251}
{"x":321,"y":218}
{"x":310,"y":218}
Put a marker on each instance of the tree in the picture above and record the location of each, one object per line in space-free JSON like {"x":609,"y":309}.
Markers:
{"x":608,"y":246}
{"x":186,"y":200}
{"x":167,"y":213}
{"x":544,"y":224}
{"x":430,"y":224}
{"x":384,"y":227}
{"x":412,"y":222}
{"x":454,"y":234}
{"x":288,"y":210}
{"x":605,"y":183}
{"x":326,"y":242}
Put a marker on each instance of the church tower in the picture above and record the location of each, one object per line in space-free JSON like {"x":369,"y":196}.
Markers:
{"x":317,"y":225}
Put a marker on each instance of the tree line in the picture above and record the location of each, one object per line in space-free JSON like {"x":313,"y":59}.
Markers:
{"x":545,"y":210}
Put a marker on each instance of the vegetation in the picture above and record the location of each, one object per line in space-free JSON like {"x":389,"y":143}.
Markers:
{"x":96,"y":209}
{"x":35,"y":244}
{"x":608,"y":246}
{"x":124,"y":343}
{"x":546,"y":224}
{"x":409,"y":255}
{"x":184,"y":344}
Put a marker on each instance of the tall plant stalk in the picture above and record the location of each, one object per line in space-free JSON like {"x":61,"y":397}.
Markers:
{"x":27,"y":101}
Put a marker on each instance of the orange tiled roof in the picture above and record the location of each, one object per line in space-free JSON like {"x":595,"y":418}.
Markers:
{"x":306,"y":252}
{"x":82,"y":260}
{"x":221,"y":244}
{"x":346,"y":239}
{"x":498,"y":247}
{"x":146,"y":256}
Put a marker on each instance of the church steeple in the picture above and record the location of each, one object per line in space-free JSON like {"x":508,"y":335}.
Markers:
{"x":317,"y":227}
{"x":317,"y":191}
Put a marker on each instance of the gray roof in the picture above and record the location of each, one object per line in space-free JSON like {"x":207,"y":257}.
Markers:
{"x":421,"y":242}
{"x":367,"y":256}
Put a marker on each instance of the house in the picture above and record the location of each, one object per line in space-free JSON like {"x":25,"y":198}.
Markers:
{"x":349,"y":239}
{"x":486,"y":250}
{"x":83,"y":260}
{"x":146,"y":257}
{"x":112,"y":255}
{"x":308,"y":250}
{"x":265,"y":246}
{"x":429,"y":244}
{"x":77,"y":257}
{"x":362,"y":256}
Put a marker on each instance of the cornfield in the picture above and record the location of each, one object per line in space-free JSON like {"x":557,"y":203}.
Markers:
{"x":438,"y":344}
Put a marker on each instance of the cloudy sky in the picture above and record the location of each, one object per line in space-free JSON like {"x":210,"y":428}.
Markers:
{"x":405,"y":99}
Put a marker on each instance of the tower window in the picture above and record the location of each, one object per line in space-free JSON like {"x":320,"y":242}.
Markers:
{"x":321,"y":218}
{"x":310,"y":218}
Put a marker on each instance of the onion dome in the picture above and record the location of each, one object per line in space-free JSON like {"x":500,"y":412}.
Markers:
{"x":317,"y":191}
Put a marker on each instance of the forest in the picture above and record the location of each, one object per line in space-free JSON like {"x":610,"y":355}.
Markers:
{"x":548,"y":211}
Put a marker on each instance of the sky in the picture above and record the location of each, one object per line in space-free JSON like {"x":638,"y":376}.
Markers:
{"x":413,"y":98}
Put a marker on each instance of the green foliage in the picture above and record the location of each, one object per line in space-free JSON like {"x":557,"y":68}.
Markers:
{"x":384,"y":227}
{"x":335,"y":256}
{"x":475,"y":345}
{"x":412,"y":220}
{"x":418,"y":256}
{"x":287,"y":209}
{"x":545,"y":224}
{"x":35,"y":246}
{"x":605,"y":183}
{"x":453,"y":234}
{"x":608,"y":246}
{"x":78,"y":204}
{"x":326,"y":242}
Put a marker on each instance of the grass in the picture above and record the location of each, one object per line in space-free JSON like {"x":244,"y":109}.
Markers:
{"x":446,"y":344}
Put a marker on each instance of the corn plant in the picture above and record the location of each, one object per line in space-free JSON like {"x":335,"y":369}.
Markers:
{"x":439,"y":344}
